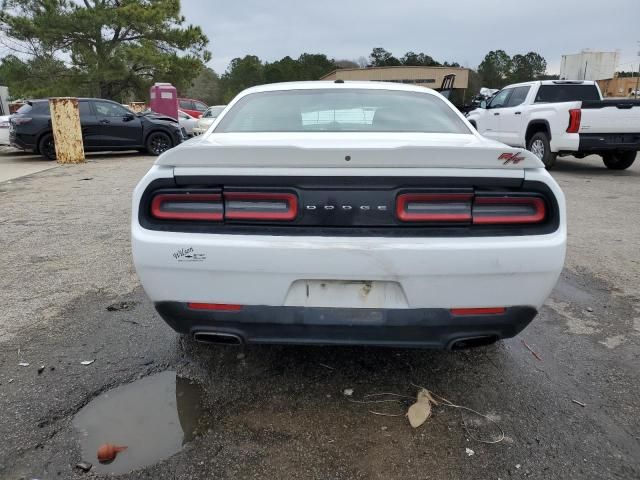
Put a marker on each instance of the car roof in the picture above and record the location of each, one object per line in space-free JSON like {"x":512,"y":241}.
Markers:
{"x":340,"y":85}
{"x":551,"y":82}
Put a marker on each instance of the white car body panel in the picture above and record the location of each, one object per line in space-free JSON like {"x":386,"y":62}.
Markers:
{"x":330,"y":149}
{"x":610,"y":120}
{"x":4,"y":129}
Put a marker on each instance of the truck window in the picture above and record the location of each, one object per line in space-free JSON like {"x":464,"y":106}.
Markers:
{"x":500,"y":99}
{"x":566,"y":93}
{"x":518,"y":96}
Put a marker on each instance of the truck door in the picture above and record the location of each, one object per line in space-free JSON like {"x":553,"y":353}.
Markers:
{"x":494,"y":110}
{"x":511,"y":117}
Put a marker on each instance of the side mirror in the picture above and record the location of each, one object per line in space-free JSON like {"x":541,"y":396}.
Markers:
{"x":483,"y":104}
{"x":128,"y":117}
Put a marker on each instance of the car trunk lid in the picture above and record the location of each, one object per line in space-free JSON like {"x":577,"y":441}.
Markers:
{"x":347,"y":150}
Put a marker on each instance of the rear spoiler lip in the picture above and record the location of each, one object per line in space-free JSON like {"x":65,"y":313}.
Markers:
{"x":304,"y":153}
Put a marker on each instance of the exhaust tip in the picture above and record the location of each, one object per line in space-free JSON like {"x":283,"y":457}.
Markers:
{"x":218,"y":338}
{"x":473,"y":342}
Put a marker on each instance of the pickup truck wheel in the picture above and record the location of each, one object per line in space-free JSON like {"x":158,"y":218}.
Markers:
{"x":619,"y":160}
{"x":158,"y":142}
{"x":47,"y":147}
{"x":539,"y":146}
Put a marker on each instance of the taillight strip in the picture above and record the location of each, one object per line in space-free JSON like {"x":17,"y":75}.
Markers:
{"x":500,"y":216}
{"x":477,"y":311}
{"x":443,"y":207}
{"x":219,"y":307}
{"x":260,"y":206}
{"x":196,"y":206}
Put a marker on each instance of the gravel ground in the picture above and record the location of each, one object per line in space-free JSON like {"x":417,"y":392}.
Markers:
{"x":280,"y":412}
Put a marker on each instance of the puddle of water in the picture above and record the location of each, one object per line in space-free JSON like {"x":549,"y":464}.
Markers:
{"x":154,"y":417}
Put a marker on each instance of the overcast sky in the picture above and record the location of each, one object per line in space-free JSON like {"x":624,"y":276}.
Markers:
{"x":456,"y":30}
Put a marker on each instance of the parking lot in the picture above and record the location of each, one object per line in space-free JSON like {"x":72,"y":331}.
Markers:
{"x":564,"y":392}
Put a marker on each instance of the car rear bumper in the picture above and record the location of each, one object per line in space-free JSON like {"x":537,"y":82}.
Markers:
{"x":409,"y":273}
{"x":429,"y":327}
{"x":598,"y":142}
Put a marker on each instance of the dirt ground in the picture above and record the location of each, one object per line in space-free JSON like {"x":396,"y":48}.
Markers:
{"x":568,"y":411}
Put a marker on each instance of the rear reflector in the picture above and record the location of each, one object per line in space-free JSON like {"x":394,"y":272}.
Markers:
{"x":434,"y":207}
{"x":220,"y":307}
{"x":477,"y":311}
{"x":508,"y":210}
{"x":575,"y":115}
{"x":260,"y":206}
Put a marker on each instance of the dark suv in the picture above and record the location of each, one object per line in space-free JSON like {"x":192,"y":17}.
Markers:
{"x":106,"y":125}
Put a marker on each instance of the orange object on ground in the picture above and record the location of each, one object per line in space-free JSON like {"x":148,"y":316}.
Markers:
{"x":107,"y":452}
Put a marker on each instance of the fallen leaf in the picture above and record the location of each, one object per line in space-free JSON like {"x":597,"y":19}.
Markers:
{"x":87,"y":362}
{"x":470,"y":452}
{"x":348,"y":392}
{"x":421,"y":410}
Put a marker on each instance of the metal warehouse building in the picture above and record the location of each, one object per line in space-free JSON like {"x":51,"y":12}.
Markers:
{"x":430,"y":77}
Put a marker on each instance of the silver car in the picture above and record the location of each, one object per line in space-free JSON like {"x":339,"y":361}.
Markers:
{"x":207,"y":119}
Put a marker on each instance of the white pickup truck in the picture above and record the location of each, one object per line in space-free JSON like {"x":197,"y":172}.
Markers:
{"x":554,"y":118}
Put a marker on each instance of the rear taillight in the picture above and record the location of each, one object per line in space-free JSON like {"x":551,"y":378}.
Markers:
{"x":467,"y":208}
{"x":575,"y":115}
{"x":508,"y":210}
{"x":196,"y":206}
{"x":217,"y":207}
{"x":260,"y":206}
{"x":434,"y":207}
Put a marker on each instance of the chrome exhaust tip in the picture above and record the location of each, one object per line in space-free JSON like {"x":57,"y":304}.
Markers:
{"x":472,"y":342}
{"x":218,"y":338}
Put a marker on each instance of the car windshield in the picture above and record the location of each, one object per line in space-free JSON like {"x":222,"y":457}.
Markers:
{"x":213,"y":112}
{"x":331,"y":110}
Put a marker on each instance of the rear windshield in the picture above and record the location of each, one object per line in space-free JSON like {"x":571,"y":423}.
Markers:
{"x":566,"y":93}
{"x":348,"y":110}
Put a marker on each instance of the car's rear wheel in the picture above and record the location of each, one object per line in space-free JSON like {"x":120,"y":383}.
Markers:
{"x":47,"y":147}
{"x":158,"y":142}
{"x":619,"y":160}
{"x":539,"y":146}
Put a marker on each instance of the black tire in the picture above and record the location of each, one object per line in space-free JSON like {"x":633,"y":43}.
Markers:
{"x":539,"y":145}
{"x":619,"y":160}
{"x":47,"y":146}
{"x":158,"y":142}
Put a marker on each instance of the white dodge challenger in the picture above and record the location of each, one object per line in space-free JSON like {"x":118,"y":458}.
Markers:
{"x":347,"y":213}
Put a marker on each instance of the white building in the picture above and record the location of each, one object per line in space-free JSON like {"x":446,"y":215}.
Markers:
{"x":588,"y":65}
